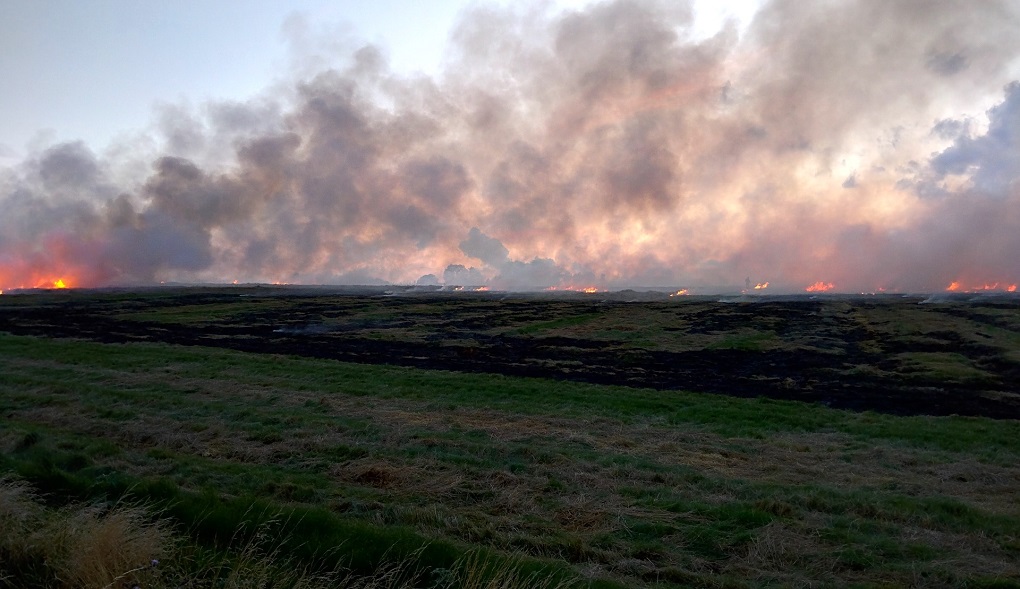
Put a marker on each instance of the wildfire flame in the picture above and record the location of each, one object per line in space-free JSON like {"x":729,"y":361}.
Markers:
{"x":820,"y":287}
{"x":957,"y":286}
{"x":584,"y":289}
{"x":680,"y":293}
{"x":57,"y":283}
{"x":22,"y":278}
{"x":761,"y":285}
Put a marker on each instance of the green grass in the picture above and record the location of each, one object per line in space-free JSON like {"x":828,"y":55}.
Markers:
{"x":613,"y":486}
{"x":559,"y":323}
{"x":171,"y":375}
{"x":945,"y":366}
{"x":751,"y":342}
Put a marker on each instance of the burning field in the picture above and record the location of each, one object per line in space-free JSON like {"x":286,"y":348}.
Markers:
{"x":520,"y":407}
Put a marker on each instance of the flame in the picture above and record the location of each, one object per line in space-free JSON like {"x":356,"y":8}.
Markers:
{"x":761,"y":285}
{"x":26,"y":276}
{"x":58,"y":283}
{"x":584,"y":289}
{"x":681,"y":293}
{"x":820,"y":287}
{"x":957,"y":286}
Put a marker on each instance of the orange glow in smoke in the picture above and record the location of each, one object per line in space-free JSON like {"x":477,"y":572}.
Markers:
{"x":25,"y":276}
{"x":820,"y":287}
{"x":58,"y":283}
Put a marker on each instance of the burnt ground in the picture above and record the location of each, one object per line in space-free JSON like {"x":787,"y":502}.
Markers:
{"x":887,"y":354}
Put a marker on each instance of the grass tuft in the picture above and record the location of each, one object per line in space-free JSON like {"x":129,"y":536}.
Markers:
{"x":89,"y":546}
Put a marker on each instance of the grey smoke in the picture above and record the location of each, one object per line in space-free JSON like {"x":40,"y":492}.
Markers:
{"x":606,"y":144}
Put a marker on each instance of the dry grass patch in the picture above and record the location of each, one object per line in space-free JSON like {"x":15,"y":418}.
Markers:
{"x":90,"y":546}
{"x":789,"y":555}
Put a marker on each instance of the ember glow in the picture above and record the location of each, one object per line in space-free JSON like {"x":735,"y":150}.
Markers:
{"x":607,"y":144}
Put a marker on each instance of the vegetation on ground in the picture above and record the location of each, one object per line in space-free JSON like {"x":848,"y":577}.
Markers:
{"x":351,"y":471}
{"x":884,"y":353}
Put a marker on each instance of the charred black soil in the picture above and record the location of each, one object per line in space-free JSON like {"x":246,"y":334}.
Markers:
{"x":886,"y":354}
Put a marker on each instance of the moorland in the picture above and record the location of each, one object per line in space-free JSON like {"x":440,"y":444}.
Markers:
{"x":393,"y":437}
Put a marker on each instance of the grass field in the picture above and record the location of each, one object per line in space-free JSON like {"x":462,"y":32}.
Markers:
{"x":311,"y":470}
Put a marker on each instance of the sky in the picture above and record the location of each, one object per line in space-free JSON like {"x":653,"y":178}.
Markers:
{"x":850,"y":146}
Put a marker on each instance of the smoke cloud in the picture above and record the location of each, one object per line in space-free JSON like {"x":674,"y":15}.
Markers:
{"x":865,"y":144}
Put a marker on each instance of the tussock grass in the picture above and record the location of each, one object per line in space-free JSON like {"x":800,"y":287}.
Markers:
{"x":90,"y":546}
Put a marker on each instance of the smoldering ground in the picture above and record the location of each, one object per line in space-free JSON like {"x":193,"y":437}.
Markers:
{"x":859,"y":143}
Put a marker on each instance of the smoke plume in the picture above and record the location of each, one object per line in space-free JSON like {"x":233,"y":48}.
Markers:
{"x":865,"y":144}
